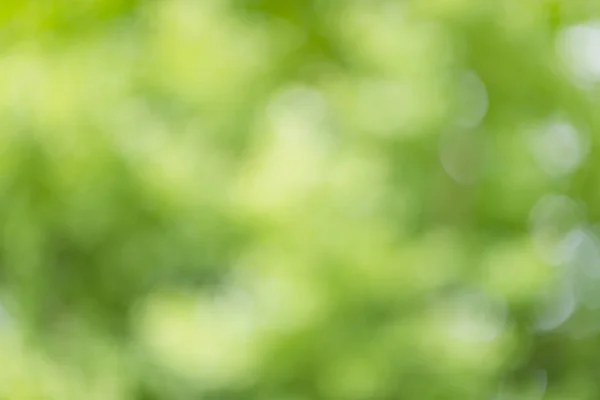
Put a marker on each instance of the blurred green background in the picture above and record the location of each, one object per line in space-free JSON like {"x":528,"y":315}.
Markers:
{"x":299,"y":199}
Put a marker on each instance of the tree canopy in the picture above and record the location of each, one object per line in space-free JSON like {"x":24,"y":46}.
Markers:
{"x":298,"y":200}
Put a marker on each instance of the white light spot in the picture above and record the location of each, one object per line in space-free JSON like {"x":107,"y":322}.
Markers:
{"x":579,"y":47}
{"x":473,"y":100}
{"x":557,"y":147}
{"x":475,"y":318}
{"x":461,"y":155}
{"x":550,"y":221}
{"x":540,"y":383}
{"x":584,"y":265}
{"x":585,"y":253}
{"x":532,"y":387}
{"x":558,"y":307}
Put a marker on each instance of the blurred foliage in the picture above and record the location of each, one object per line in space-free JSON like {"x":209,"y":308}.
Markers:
{"x":287,"y":200}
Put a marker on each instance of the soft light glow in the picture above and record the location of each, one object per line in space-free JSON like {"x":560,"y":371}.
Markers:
{"x":558,"y":147}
